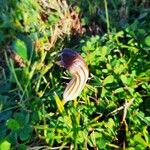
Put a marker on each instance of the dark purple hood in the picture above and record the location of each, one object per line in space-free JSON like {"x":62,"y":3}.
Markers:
{"x":67,"y":57}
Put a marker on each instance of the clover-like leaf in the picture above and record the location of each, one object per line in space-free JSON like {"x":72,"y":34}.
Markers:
{"x":13,"y":124}
{"x":5,"y":145}
{"x":147,"y":40}
{"x":108,"y":79}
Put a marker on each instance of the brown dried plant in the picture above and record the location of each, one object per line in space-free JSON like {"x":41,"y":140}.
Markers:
{"x":69,"y":22}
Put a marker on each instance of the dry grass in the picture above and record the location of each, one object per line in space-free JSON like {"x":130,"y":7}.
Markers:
{"x":69,"y":22}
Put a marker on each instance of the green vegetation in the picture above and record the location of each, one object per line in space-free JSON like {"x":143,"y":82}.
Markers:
{"x":113,"y":110}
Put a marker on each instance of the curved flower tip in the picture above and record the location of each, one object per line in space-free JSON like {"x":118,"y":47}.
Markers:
{"x":78,"y":68}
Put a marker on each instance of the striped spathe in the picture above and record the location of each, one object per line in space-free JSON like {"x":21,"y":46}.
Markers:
{"x":78,"y":68}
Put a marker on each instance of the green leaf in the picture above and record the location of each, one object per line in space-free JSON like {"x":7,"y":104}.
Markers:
{"x":131,"y":90}
{"x":119,"y":90}
{"x":109,"y":67}
{"x":123,"y":79}
{"x":147,"y":120}
{"x":60,"y":104}
{"x":138,"y":139}
{"x":110,"y":123}
{"x":25,"y":133}
{"x":119,"y":34}
{"x":108,"y":79}
{"x":20,"y":118}
{"x":13,"y":124}
{"x":20,"y":49}
{"x":5,"y":145}
{"x":147,"y":40}
{"x":139,"y":147}
{"x":103,"y":92}
{"x":143,"y":118}
{"x":103,"y":51}
{"x":92,"y":140}
{"x":146,"y":134}
{"x":141,"y":33}
{"x":119,"y":69}
{"x":131,"y":148}
{"x":101,"y":142}
{"x":22,"y":147}
{"x":53,"y":19}
{"x":3,"y":131}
